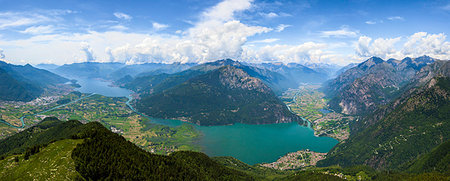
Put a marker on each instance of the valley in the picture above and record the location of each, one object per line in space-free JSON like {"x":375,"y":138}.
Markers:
{"x":167,"y":136}
{"x":309,"y":102}
{"x":275,"y":147}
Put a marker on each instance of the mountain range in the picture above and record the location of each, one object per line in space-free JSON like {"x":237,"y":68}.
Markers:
{"x":24,"y":83}
{"x":74,"y":151}
{"x":245,"y":95}
{"x":410,"y":123}
{"x":223,"y":96}
{"x":372,"y":83}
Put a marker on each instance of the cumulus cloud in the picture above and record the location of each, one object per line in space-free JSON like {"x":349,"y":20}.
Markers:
{"x":225,"y":10}
{"x":307,"y":52}
{"x":39,"y":29}
{"x":418,"y":44}
{"x":281,"y":27}
{"x":341,"y":33}
{"x":158,"y":26}
{"x":384,"y":48}
{"x":122,"y":16}
{"x":217,"y":35}
{"x":87,"y":50}
{"x":422,"y":43}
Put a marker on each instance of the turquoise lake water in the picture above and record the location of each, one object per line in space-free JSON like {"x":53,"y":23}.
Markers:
{"x":249,"y":143}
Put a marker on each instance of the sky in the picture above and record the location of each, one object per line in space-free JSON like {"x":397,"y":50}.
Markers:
{"x":291,"y":31}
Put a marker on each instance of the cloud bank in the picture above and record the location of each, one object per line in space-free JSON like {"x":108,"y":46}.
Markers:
{"x":217,"y":34}
{"x":418,"y":44}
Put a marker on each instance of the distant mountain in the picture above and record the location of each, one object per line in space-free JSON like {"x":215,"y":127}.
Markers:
{"x":46,"y":66}
{"x":295,"y":72}
{"x":374,"y":82}
{"x":345,"y":68}
{"x":157,"y":83}
{"x":395,"y":135}
{"x":88,"y":69}
{"x":223,"y":96}
{"x":331,"y":70}
{"x":146,"y":69}
{"x":24,"y":83}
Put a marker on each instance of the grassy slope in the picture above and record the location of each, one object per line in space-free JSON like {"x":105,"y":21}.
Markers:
{"x":53,"y":162}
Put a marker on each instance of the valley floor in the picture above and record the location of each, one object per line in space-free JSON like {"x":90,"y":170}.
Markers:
{"x":308,"y":102}
{"x":114,"y":114}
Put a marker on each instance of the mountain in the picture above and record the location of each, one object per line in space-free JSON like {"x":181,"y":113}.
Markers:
{"x":157,"y":83}
{"x":435,"y":161}
{"x":295,"y":72}
{"x":372,"y":83}
{"x":345,"y":68}
{"x":224,"y":96}
{"x":24,"y":83}
{"x":331,"y":70}
{"x":101,"y":155}
{"x":396,"y":134}
{"x":69,"y":150}
{"x":11,"y":89}
{"x":116,"y":71}
{"x":46,"y":66}
{"x":88,"y":69}
{"x":146,"y":69}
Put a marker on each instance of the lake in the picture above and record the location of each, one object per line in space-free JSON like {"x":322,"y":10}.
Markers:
{"x":100,"y":87}
{"x":249,"y":143}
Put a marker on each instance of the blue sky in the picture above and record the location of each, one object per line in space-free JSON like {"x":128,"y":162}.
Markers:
{"x":337,"y":32}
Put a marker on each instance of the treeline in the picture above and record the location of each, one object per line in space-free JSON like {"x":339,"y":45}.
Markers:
{"x":48,"y":130}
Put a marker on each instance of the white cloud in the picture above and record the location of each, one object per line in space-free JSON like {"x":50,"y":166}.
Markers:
{"x":371,"y":22}
{"x":422,"y":43}
{"x":310,"y":52}
{"x":226,"y":9}
{"x":158,"y":26}
{"x":396,"y":18}
{"x":383,"y":48}
{"x":87,"y":50}
{"x":341,"y":33}
{"x":418,"y":44}
{"x":269,"y":40}
{"x":122,"y":16}
{"x":281,"y":27}
{"x":39,"y":29}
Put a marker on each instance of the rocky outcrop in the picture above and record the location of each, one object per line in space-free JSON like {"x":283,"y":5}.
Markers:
{"x":372,"y":83}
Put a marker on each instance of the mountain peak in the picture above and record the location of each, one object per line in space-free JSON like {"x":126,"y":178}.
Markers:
{"x":370,"y":62}
{"x":224,"y":62}
{"x":233,"y":78}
